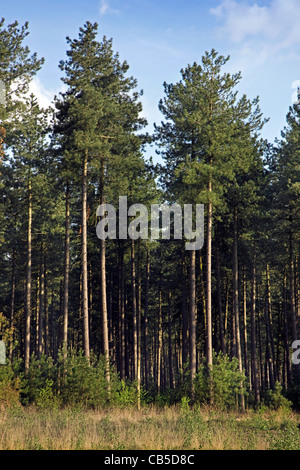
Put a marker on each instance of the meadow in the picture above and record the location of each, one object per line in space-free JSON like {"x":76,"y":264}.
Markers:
{"x":151,"y":428}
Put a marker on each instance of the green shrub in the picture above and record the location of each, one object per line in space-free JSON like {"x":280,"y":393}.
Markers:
{"x":84,"y":383}
{"x":9,"y":387}
{"x":46,"y":397}
{"x":40,"y":370}
{"x":126,"y":394}
{"x":275,"y":400}
{"x":223,"y":385}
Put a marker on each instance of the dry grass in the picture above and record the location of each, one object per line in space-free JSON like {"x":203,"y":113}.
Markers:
{"x":149,"y":429}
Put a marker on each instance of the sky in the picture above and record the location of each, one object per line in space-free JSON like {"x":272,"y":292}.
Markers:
{"x":158,"y":38}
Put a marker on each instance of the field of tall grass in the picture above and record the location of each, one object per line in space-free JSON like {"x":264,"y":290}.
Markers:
{"x":151,"y":428}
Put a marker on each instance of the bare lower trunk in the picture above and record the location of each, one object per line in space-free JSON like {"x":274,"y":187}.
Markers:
{"x":146,"y":353}
{"x":134,"y":312}
{"x":208,"y":285}
{"x":121,"y":313}
{"x":104,"y":309}
{"x":41,"y":304}
{"x":84,"y":264}
{"x":105,"y":335}
{"x":184,"y":314}
{"x":192,"y":306}
{"x":170,"y":341}
{"x":220,"y":308}
{"x":255,"y":385}
{"x":66,"y":272}
{"x":159,"y":342}
{"x":28,"y":282}
{"x":12,"y":303}
{"x":236,"y":302}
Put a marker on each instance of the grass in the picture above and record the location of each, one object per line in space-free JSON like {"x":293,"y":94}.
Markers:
{"x":151,"y":428}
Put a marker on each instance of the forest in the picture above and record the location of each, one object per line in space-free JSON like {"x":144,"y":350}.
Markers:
{"x":136,"y":320}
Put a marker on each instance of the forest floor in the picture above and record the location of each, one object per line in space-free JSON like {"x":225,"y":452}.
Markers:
{"x":150,"y":428}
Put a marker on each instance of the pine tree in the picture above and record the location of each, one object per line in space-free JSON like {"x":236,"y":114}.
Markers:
{"x":201,"y":137}
{"x":27,"y":142}
{"x":103,"y":117}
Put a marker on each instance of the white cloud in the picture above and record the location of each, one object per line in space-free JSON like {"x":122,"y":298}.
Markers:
{"x":105,"y":7}
{"x":267,"y":29}
{"x":44,"y":96}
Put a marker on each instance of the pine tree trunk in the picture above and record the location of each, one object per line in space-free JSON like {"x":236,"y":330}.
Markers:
{"x":192,"y":315}
{"x":288,"y":379}
{"x":46,"y":309}
{"x":134,"y":311}
{"x":292,"y":290}
{"x":121,"y":313}
{"x":220,"y":308}
{"x":84,"y":263}
{"x":269,"y":326}
{"x":170,"y":341}
{"x":236,"y":302}
{"x":159,"y":342}
{"x":184,"y":314}
{"x":208,"y":283}
{"x":66,"y":272}
{"x":245,"y":323}
{"x":294,"y":368}
{"x":104,"y":315}
{"x":12,"y":302}
{"x":28,"y":281}
{"x":104,"y":309}
{"x":139,"y":307}
{"x":146,"y":310}
{"x":255,"y":384}
{"x":41,"y":304}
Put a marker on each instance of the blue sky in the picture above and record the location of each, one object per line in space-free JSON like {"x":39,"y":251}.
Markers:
{"x":158,"y":38}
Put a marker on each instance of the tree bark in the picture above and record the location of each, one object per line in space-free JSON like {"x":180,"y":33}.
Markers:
{"x":139,"y":307}
{"x":146,"y":310}
{"x":184,"y":314}
{"x":12,"y":302}
{"x":66,"y":272}
{"x":246,"y":362}
{"x":159,"y":341}
{"x":269,"y":329}
{"x":104,"y":309}
{"x":288,"y":375}
{"x":220,"y":308}
{"x":134,"y":312}
{"x":28,"y":280}
{"x":236,"y":301}
{"x":84,"y":263}
{"x":122,"y":351}
{"x":255,"y":384}
{"x":292,"y":290}
{"x":170,"y":340}
{"x":192,"y":315}
{"x":208,"y":283}
{"x":41,"y":304}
